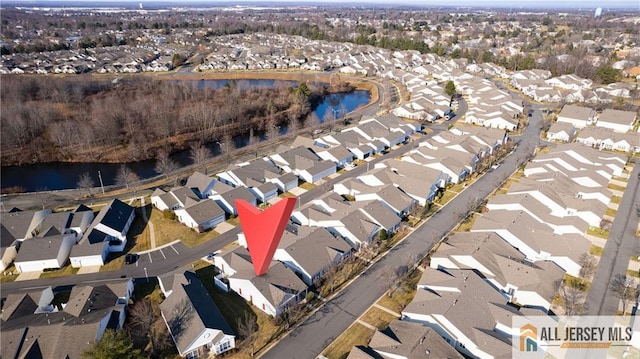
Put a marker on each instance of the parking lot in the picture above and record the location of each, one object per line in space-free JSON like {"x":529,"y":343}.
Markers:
{"x":159,"y":254}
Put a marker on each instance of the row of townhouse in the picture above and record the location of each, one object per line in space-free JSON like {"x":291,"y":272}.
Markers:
{"x":320,"y":235}
{"x":611,"y":130}
{"x":35,"y":241}
{"x":32,"y":326}
{"x":540,"y":86}
{"x":515,"y":256}
{"x":425,"y":171}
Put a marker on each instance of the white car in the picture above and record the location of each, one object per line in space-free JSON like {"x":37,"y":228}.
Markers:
{"x":495,"y":167}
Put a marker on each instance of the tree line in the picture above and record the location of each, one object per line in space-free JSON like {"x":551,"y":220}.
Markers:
{"x":135,"y":118}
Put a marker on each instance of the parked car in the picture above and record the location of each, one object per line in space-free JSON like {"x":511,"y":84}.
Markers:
{"x":495,"y":167}
{"x":131,"y":258}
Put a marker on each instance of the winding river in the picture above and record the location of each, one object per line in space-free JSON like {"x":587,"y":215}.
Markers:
{"x":58,"y":175}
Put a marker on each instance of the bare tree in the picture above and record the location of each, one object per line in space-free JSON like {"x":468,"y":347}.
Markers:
{"x":247,"y":328}
{"x":126,"y":177}
{"x":588,"y":265}
{"x":273,"y":131}
{"x":143,"y":319}
{"x":44,"y":196}
{"x":329,"y":119}
{"x":226,"y":145}
{"x":164,"y":164}
{"x":573,"y":299}
{"x":85,"y":182}
{"x":294,"y":125}
{"x":199,"y":155}
{"x":311,"y":121}
{"x":624,"y":288}
{"x":605,"y":224}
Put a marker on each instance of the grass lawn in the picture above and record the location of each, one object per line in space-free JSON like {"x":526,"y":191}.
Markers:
{"x":616,"y":199}
{"x":466,"y":226}
{"x":6,"y":277}
{"x":635,"y":258}
{"x":167,"y":231}
{"x":403,"y":296}
{"x":615,"y":187}
{"x":63,"y":272}
{"x":357,"y":334}
{"x":576,"y":282}
{"x":286,"y":194}
{"x":113,"y":263}
{"x":234,"y":221}
{"x":448,"y":196}
{"x":598,"y":232}
{"x":378,"y":318}
{"x":633,"y":273}
{"x":610,"y":212}
{"x":307,"y":185}
{"x":595,"y":250}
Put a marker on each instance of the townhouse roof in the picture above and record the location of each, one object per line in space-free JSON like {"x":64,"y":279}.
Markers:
{"x":115,"y":215}
{"x":199,"y":181}
{"x":80,"y":218}
{"x":300,"y":158}
{"x":381,"y":214}
{"x":87,"y":298}
{"x":558,"y":127}
{"x":38,"y":248}
{"x":55,"y":335}
{"x":359,"y":226}
{"x":502,"y":262}
{"x":320,"y":167}
{"x":604,"y":134}
{"x":576,"y":112}
{"x":18,"y":305}
{"x":412,"y":170}
{"x":58,"y":220}
{"x":316,"y":250}
{"x":391,"y":195}
{"x":618,"y":117}
{"x":536,"y":235}
{"x":182,"y":194}
{"x":340,"y":152}
{"x":204,"y":211}
{"x":189,"y":311}
{"x":287,"y":177}
{"x":360,"y":352}
{"x":258,"y":170}
{"x":474,"y":308}
{"x":238,"y":193}
{"x":274,"y":285}
{"x":411,"y":341}
{"x":17,"y":223}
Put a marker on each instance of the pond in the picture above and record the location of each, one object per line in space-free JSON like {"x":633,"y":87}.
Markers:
{"x":57,"y":175}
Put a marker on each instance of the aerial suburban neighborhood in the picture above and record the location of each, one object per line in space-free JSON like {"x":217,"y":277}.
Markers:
{"x":454,"y":170}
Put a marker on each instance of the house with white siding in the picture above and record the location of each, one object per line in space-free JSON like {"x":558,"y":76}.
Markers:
{"x":561,"y":132}
{"x":273,"y":292}
{"x":577,"y":116}
{"x":616,"y":120}
{"x":501,"y":265}
{"x":471,"y":315}
{"x":194,"y":321}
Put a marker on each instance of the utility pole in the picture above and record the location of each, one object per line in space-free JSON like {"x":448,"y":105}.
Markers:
{"x":101,"y":184}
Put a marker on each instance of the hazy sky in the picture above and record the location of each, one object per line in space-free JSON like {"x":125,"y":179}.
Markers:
{"x":583,"y":4}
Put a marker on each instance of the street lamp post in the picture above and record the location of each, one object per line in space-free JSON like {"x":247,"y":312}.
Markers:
{"x":101,"y":184}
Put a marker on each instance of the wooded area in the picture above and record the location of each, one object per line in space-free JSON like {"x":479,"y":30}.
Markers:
{"x":84,"y":119}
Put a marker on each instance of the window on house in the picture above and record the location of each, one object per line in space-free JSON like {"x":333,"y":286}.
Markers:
{"x":223,"y":347}
{"x":192,"y":354}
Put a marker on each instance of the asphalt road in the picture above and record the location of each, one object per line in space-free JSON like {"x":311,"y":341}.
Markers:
{"x":620,"y":247}
{"x":313,"y":335}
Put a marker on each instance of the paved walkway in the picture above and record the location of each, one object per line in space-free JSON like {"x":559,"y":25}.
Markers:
{"x":152,"y":232}
{"x":28,"y":276}
{"x":89,"y":269}
{"x":387,"y":310}
{"x":224,"y":227}
{"x":362,"y":322}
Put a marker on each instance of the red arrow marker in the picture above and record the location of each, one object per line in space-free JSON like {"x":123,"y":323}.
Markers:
{"x":263,"y":230}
